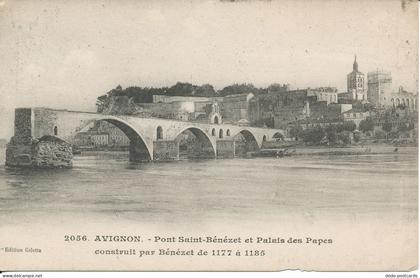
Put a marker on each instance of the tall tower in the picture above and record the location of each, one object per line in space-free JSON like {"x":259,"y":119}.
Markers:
{"x":379,"y":88}
{"x":356,"y":82}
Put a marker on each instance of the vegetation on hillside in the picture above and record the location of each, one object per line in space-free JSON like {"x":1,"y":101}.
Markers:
{"x":145,"y":94}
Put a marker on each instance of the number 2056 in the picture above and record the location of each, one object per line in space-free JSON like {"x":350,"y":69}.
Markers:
{"x":75,"y":238}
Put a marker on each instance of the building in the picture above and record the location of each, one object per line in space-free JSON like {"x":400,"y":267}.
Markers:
{"x":327,"y":94}
{"x":402,"y":121}
{"x":235,"y":108}
{"x":198,"y":109}
{"x":116,"y":137}
{"x":355,"y":115}
{"x":101,"y":134}
{"x":82,"y":139}
{"x":99,"y":139}
{"x":277,"y":88}
{"x":336,"y":110}
{"x":177,"y":110}
{"x":169,"y":99}
{"x":379,"y":88}
{"x":356,"y":83}
{"x":279,"y":109}
{"x":308,"y":123}
{"x":403,"y":99}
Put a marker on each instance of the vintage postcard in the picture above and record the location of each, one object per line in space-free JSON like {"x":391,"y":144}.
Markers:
{"x":209,"y":135}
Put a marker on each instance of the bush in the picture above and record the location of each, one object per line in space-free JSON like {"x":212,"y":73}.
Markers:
{"x":356,"y":136}
{"x":387,"y":126}
{"x":349,"y":126}
{"x":331,"y":133}
{"x":366,"y":125}
{"x":313,"y":135}
{"x":295,"y":132}
{"x":345,"y":137}
{"x":379,"y":134}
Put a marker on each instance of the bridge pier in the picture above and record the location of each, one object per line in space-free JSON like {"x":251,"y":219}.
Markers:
{"x":165,"y":150}
{"x":225,"y":148}
{"x":201,"y":149}
{"x":243,"y":147}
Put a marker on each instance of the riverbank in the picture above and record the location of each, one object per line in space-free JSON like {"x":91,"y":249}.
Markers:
{"x":352,"y":150}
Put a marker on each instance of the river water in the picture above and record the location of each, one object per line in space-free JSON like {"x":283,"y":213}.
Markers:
{"x":294,"y":192}
{"x":107,"y":183}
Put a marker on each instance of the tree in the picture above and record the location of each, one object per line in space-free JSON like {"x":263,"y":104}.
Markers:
{"x":411,"y":126}
{"x":331,"y":133}
{"x":403,"y":127}
{"x":313,"y":135}
{"x":379,"y":134}
{"x":276,"y":87}
{"x":181,"y":89}
{"x":366,"y":125}
{"x":339,"y":127}
{"x":295,"y":132}
{"x":205,"y":90}
{"x":239,"y":89}
{"x":356,"y":136}
{"x":387,"y":127}
{"x":345,"y":137}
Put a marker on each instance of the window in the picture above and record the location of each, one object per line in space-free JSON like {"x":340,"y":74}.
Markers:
{"x":216,"y":120}
{"x":55,"y":131}
{"x":221,"y":133}
{"x":159,"y":133}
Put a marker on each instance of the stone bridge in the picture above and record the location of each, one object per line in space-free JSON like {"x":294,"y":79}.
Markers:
{"x":150,"y":138}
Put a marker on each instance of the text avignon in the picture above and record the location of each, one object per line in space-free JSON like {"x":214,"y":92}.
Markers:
{"x":118,"y":238}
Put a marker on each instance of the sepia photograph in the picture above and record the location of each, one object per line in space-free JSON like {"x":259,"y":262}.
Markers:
{"x":209,"y":135}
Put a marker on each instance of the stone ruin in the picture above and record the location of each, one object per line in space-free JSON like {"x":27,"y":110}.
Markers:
{"x":45,"y":152}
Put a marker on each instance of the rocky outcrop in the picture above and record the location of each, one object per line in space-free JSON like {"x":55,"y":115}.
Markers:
{"x":119,"y":105}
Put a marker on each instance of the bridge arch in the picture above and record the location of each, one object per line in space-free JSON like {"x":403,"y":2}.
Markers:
{"x":278,"y":136}
{"x":247,"y":134}
{"x":204,"y":146}
{"x":245,"y":141}
{"x":140,"y":150}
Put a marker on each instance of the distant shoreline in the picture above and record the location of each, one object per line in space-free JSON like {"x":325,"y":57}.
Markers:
{"x":354,"y":149}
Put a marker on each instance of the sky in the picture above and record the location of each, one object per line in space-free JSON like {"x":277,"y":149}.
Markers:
{"x":63,"y":54}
